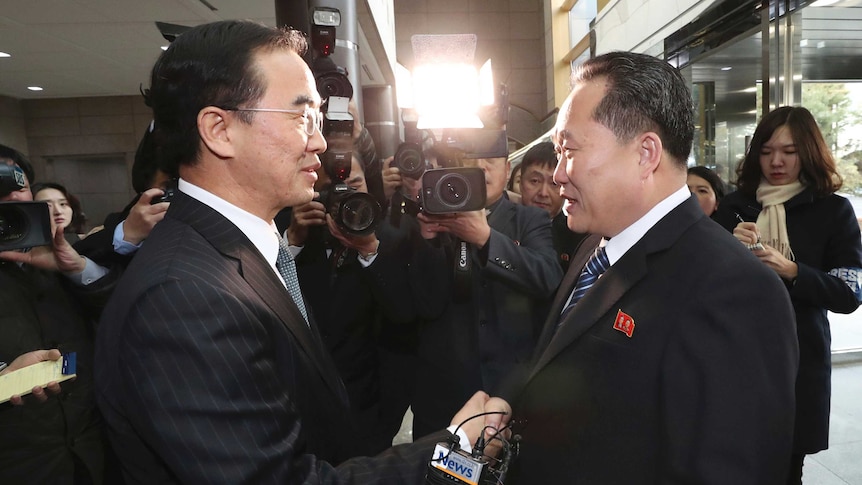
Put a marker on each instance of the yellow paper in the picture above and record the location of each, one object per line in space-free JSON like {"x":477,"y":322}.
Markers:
{"x":22,"y":381}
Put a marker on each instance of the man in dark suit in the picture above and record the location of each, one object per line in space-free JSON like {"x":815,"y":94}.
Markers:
{"x":678,"y":364}
{"x":484,"y":321}
{"x":210,"y":368}
{"x":538,"y":189}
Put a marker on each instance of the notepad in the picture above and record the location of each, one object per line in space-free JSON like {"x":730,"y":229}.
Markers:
{"x":22,"y":381}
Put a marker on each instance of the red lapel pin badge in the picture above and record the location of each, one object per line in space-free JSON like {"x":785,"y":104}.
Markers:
{"x":624,"y":323}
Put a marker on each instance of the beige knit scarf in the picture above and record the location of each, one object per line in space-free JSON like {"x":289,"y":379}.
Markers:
{"x":772,"y":221}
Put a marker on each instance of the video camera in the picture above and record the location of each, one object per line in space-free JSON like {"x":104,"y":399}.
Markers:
{"x":22,"y":224}
{"x":354,"y":212}
{"x":453,"y":186}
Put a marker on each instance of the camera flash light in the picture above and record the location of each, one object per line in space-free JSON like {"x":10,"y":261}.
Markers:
{"x":326,"y":16}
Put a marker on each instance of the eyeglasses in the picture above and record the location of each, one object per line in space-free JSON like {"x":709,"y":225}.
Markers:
{"x":313,"y":118}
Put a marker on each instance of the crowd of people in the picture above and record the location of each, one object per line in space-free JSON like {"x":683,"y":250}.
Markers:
{"x":634,"y":320}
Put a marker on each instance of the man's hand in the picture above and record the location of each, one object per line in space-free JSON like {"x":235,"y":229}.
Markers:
{"x":144,"y":216}
{"x":364,"y":245}
{"x":471,"y":227}
{"x":303,"y":217}
{"x":488,"y":424}
{"x":391,"y":178}
{"x":60,"y":256}
{"x":31,"y":358}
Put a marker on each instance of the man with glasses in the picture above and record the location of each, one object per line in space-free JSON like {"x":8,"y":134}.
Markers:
{"x":538,"y":189}
{"x":210,"y":368}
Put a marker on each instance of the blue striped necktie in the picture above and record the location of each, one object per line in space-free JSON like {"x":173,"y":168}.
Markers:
{"x":287,"y":268}
{"x":597,"y":264}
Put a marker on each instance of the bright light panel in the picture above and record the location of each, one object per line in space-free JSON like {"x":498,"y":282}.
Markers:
{"x":445,"y":95}
{"x":403,"y":86}
{"x":486,"y":84}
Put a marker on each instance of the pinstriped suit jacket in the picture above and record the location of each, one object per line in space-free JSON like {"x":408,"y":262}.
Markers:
{"x":206,"y":371}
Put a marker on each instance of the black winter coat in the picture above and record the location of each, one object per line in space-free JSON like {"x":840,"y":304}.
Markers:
{"x":825,"y":238}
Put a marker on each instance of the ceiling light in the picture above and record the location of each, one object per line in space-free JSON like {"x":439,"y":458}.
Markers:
{"x":821,"y":44}
{"x":823,"y":3}
{"x":3,"y":54}
{"x":726,"y":68}
{"x":34,"y":88}
{"x":803,"y":43}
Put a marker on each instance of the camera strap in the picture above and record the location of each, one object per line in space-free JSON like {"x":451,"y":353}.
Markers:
{"x":462,"y":282}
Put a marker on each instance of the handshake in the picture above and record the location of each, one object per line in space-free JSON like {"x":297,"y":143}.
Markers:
{"x":485,"y":457}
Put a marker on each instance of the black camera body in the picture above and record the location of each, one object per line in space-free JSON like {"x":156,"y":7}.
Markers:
{"x":447,"y":190}
{"x":410,"y":160}
{"x":354,"y":212}
{"x":24,"y":225}
{"x":338,"y":131}
{"x":331,"y":79}
{"x":167,"y":195}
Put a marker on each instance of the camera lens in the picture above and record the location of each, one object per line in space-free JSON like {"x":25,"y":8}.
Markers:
{"x":409,"y":160}
{"x":453,"y":190}
{"x":358,"y":213}
{"x":355,"y":212}
{"x":13,"y":224}
{"x":334,"y":84}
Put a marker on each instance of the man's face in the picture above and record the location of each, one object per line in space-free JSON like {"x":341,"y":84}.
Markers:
{"x":600,"y":178}
{"x":496,"y":175}
{"x":20,"y":195}
{"x":538,"y":189}
{"x":275,"y":158}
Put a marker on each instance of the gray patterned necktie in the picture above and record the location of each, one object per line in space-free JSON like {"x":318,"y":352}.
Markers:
{"x":287,"y":268}
{"x":597,"y":264}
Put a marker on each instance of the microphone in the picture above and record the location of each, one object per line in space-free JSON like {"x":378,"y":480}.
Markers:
{"x":450,"y":465}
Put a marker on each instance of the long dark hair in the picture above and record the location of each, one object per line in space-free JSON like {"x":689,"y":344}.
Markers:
{"x":818,"y":168}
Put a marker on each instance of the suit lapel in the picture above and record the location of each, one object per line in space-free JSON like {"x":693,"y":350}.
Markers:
{"x":613,"y":285}
{"x":255,"y":270}
{"x":565,"y":290}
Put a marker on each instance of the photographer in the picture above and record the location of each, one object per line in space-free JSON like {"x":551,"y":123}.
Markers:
{"x":481,"y":322}
{"x":59,"y":440}
{"x":365,"y":275}
{"x":122,"y":234}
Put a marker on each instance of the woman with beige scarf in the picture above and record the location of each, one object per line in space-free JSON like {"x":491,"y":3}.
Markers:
{"x":785,"y":210}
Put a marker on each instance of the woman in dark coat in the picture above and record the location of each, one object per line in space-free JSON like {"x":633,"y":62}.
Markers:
{"x":786,"y":211}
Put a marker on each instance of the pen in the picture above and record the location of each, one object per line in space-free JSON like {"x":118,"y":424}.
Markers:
{"x":739,"y":217}
{"x":3,"y":365}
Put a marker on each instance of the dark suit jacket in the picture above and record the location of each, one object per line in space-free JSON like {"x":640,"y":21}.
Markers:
{"x":207,"y":372}
{"x":471,"y":344}
{"x":49,"y":442}
{"x":701,"y":392}
{"x":565,"y":241}
{"x":356,"y":308}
